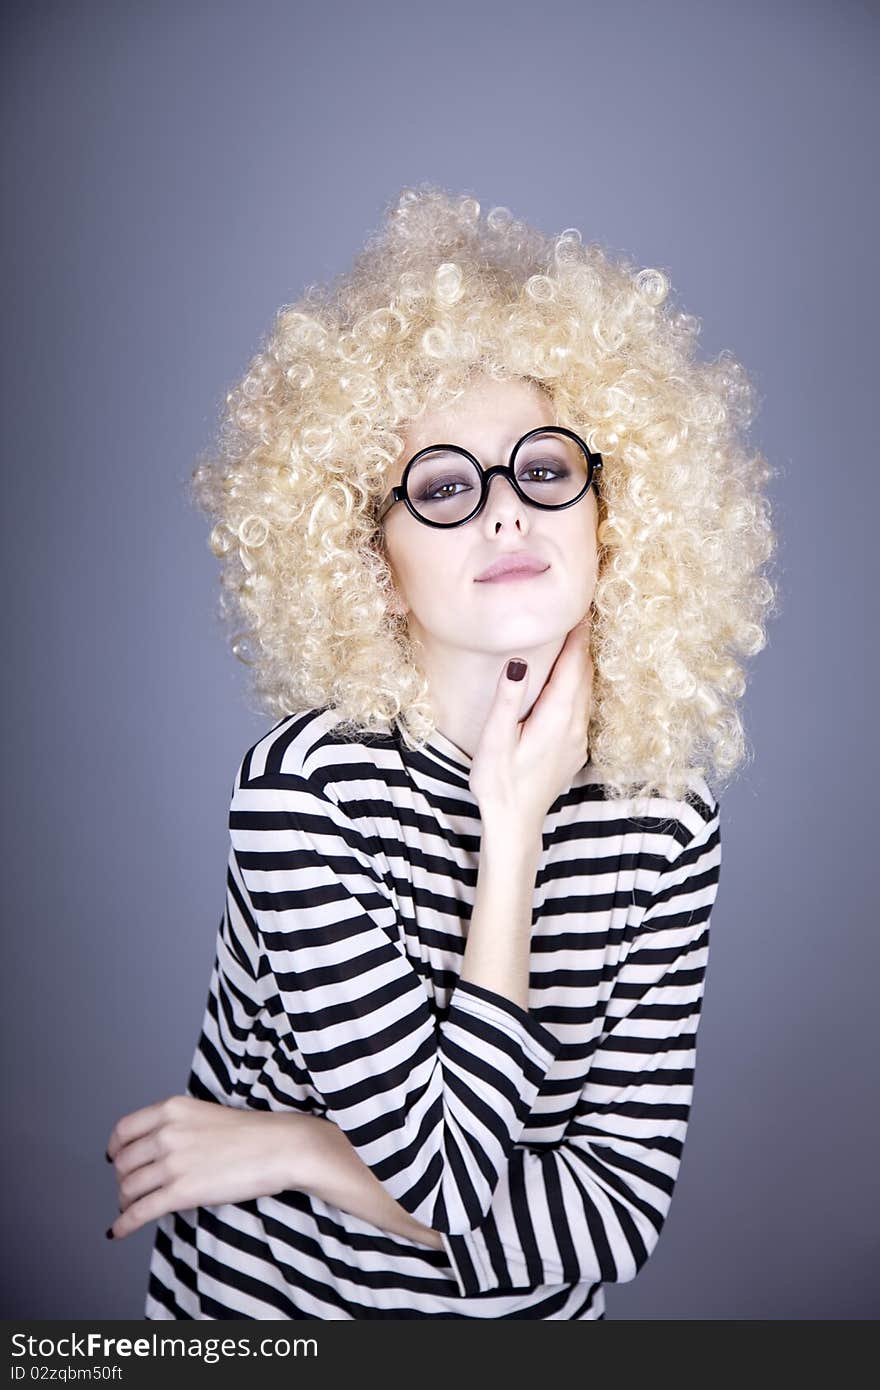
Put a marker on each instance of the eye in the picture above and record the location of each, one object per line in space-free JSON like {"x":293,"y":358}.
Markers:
{"x":434,"y":491}
{"x":555,"y":470}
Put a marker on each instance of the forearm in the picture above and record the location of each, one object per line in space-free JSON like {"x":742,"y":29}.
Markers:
{"x":324,"y":1164}
{"x":498,"y":951}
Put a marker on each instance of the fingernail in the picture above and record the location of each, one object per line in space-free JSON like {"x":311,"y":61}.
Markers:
{"x":107,"y":1156}
{"x":516,"y":670}
{"x":109,"y":1233}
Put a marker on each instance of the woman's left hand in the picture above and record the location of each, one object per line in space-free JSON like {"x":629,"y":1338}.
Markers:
{"x":182,"y":1153}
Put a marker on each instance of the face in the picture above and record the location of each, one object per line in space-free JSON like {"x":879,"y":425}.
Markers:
{"x":436,"y":571}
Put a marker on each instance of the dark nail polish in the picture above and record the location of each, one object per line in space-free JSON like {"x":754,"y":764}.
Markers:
{"x":109,"y":1233}
{"x":516,"y":670}
{"x":107,"y":1156}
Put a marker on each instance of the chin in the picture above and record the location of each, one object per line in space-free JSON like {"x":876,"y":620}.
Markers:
{"x":517,"y":630}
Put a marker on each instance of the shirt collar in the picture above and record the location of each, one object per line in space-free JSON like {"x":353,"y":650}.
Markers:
{"x":439,"y":758}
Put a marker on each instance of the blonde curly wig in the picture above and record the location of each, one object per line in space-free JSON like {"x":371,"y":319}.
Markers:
{"x":310,"y":434}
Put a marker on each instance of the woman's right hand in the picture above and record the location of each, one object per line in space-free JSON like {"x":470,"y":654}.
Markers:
{"x":518,"y":770}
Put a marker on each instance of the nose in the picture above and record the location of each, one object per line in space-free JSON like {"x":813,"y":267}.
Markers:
{"x":508,"y":495}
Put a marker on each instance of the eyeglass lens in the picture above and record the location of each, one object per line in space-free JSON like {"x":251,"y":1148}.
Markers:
{"x":445,"y":487}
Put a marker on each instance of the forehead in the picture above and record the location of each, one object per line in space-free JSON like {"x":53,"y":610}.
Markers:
{"x":487,"y":416}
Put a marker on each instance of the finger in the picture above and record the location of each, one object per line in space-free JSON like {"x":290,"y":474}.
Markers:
{"x":135,"y":1125}
{"x":138,"y":1184}
{"x":572,"y":666}
{"x":138,"y":1153}
{"x":500,"y":730}
{"x":148,"y":1208}
{"x":574,"y":644}
{"x":568,"y":686}
{"x":577,"y":643}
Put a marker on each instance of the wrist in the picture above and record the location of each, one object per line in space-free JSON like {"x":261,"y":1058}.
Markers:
{"x":425,"y":1235}
{"x":509,"y":858}
{"x":511,"y":842}
{"x":298,"y":1147}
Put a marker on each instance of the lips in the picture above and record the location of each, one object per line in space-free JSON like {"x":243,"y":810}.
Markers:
{"x":519,"y":563}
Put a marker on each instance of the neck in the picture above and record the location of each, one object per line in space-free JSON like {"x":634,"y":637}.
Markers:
{"x":463,"y":682}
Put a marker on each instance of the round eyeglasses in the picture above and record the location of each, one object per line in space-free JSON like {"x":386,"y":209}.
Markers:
{"x":445,"y":485}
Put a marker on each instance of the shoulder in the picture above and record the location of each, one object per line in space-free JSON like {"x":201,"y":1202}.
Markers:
{"x":292,"y":800}
{"x":695,"y":817}
{"x":312,"y":752}
{"x":664,"y":827}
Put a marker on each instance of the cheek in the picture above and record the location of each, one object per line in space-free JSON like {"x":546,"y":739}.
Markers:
{"x":436,"y":567}
{"x":426,"y":563}
{"x":580,"y":557}
{"x":579,"y":545}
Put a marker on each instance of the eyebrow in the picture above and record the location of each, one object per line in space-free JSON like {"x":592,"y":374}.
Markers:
{"x":509,"y":443}
{"x":514,"y":439}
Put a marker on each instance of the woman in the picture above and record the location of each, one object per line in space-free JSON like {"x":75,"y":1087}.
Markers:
{"x":447,"y":1059}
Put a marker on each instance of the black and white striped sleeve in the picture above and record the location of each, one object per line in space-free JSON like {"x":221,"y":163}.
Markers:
{"x":433,"y":1108}
{"x":591,"y":1207}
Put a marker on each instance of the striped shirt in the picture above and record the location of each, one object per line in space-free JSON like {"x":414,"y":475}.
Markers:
{"x":543,"y":1144}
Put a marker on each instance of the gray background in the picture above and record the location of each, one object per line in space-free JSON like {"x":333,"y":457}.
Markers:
{"x":173,"y":174}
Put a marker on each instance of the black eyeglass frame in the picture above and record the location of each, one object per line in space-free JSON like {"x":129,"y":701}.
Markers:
{"x":400,"y":493}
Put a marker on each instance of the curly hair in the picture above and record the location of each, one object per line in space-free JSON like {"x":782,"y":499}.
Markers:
{"x":310,"y":434}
